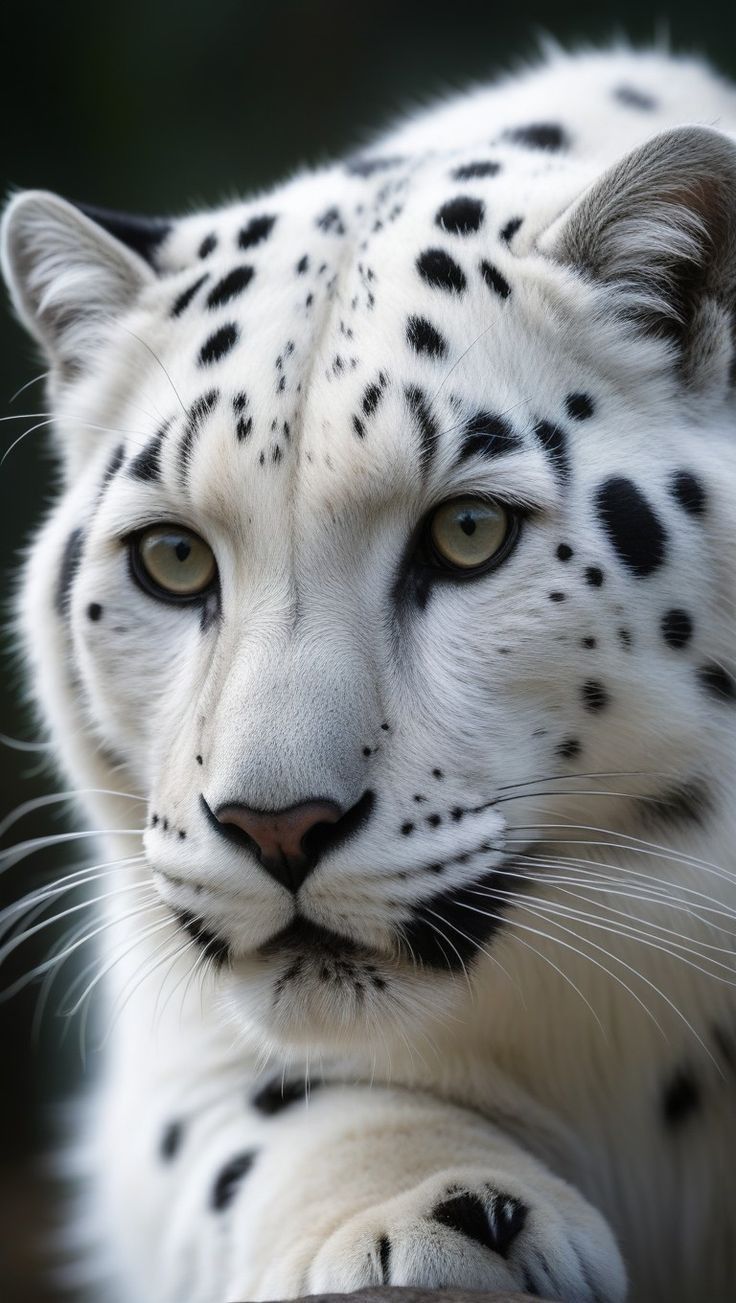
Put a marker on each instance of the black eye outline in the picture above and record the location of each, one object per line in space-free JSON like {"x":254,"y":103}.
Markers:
{"x":145,"y":581}
{"x":427,"y":554}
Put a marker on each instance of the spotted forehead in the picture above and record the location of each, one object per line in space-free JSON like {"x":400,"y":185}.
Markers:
{"x":352,"y":306}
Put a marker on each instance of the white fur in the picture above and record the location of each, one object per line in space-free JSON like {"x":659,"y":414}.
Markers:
{"x":540,"y":1071}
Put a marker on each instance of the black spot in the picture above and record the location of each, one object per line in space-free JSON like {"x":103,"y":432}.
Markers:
{"x":302,"y":265}
{"x":230,"y":286}
{"x":625,"y":637}
{"x":147,"y":464}
{"x":461,"y":216}
{"x":717,"y":682}
{"x":419,"y":405}
{"x":243,"y":422}
{"x":171,"y":1140}
{"x":558,"y":597}
{"x":184,"y":299}
{"x":407,"y":828}
{"x":227,"y":1182}
{"x":494,"y":280}
{"x":687,"y":490}
{"x":634,"y":98}
{"x":569,"y":749}
{"x":495,"y":1228}
{"x":71,"y":557}
{"x":634,"y":529}
{"x":208,"y":245}
{"x":554,"y":442}
{"x":594,"y":695}
{"x":469,"y":171}
{"x":255,"y":231}
{"x":278,"y":1094}
{"x":219,"y":344}
{"x":564,"y":552}
{"x":199,"y":760}
{"x":681,"y":1098}
{"x":579,"y":406}
{"x":508,"y":231}
{"x":384,"y":1257}
{"x":589,"y":643}
{"x":94,"y":612}
{"x":539,"y":135}
{"x":441,"y":271}
{"x":594,"y":576}
{"x":677,"y":628}
{"x":372,"y":395}
{"x":423,"y":337}
{"x":487,"y":435}
{"x":331,"y":222}
{"x":358,"y":427}
{"x":366,"y":167}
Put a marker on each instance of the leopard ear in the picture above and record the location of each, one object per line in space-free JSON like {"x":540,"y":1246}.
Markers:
{"x":70,"y":272}
{"x":658,"y":231}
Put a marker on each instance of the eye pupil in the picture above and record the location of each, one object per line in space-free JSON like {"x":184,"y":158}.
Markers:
{"x":467,"y":524}
{"x":182,"y":551}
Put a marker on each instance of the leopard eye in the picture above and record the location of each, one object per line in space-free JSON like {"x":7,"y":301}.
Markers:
{"x":468,"y":533}
{"x":172,"y":562}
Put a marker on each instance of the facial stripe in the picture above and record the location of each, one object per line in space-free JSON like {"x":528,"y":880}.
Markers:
{"x":488,"y":435}
{"x":425,"y":423}
{"x":198,"y":413}
{"x":68,"y":569}
{"x":146,"y":465}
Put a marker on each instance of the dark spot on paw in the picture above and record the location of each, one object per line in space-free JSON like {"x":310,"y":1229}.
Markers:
{"x":495,"y":1226}
{"x":384,"y":1257}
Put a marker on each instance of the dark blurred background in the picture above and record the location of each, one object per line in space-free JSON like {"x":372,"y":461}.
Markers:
{"x":155,"y":107}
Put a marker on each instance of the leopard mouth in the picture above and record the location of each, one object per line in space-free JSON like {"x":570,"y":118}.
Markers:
{"x":301,"y":936}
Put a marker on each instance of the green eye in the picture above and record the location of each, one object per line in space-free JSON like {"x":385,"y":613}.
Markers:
{"x":172,"y":562}
{"x":467,"y":533}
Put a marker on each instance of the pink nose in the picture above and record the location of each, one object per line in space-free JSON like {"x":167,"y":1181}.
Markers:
{"x":278,"y":836}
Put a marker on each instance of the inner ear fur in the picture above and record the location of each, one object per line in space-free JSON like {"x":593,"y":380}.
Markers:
{"x":659,"y":229}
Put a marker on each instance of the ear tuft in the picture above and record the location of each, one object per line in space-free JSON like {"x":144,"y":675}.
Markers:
{"x":68,"y":277}
{"x":659,"y":229}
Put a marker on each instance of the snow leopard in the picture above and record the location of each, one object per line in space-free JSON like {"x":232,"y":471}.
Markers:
{"x":383,"y":624}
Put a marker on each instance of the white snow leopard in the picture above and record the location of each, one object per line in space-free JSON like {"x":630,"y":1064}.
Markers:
{"x":390,"y":579}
